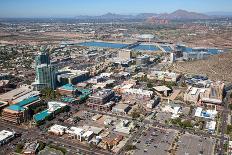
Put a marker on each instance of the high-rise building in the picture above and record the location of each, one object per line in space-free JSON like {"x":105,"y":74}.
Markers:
{"x":45,"y":72}
{"x":42,"y":58}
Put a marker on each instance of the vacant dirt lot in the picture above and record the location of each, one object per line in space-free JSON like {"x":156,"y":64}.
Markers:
{"x":218,"y":67}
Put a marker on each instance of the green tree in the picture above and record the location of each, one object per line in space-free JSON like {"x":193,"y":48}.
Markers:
{"x":19,"y":148}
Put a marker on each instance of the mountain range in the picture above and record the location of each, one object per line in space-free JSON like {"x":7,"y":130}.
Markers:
{"x":176,"y":15}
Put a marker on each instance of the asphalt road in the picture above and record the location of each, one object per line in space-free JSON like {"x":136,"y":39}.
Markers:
{"x":224,"y":124}
{"x":69,"y":144}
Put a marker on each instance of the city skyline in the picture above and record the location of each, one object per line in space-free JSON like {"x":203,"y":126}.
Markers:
{"x":71,"y":8}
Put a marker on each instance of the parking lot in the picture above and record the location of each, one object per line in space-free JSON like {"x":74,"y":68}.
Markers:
{"x":192,"y":145}
{"x":154,"y":141}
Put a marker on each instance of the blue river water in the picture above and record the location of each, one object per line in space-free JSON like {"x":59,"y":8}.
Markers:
{"x":118,"y":45}
{"x":103,"y":44}
{"x":146,"y":47}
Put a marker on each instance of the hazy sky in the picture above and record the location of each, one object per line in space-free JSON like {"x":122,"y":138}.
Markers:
{"x":70,"y":8}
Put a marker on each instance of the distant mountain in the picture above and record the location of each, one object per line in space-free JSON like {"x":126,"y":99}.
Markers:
{"x":221,"y":14}
{"x":177,"y":15}
{"x":182,"y":14}
{"x":107,"y":16}
{"x":146,"y":15}
{"x":115,"y":16}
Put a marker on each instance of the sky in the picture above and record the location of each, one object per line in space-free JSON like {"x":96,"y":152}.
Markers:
{"x":72,"y":8}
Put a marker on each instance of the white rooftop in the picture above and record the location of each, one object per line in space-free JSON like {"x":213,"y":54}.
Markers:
{"x":87,"y":134}
{"x":162,"y":88}
{"x":57,"y":128}
{"x":198,"y":112}
{"x":4,"y":134}
{"x":53,"y":106}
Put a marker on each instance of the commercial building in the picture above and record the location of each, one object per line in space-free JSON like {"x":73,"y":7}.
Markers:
{"x":30,"y":148}
{"x":58,"y":130}
{"x":175,"y":109}
{"x":154,"y":102}
{"x":85,"y":133}
{"x":211,"y":126}
{"x":98,"y":100}
{"x":18,"y":94}
{"x":53,"y":108}
{"x":164,"y":76}
{"x":195,"y":55}
{"x":45,"y":72}
{"x":121,"y":76}
{"x":72,"y":77}
{"x":73,"y":94}
{"x":208,"y":114}
{"x":211,"y":96}
{"x":138,"y":93}
{"x":42,"y":58}
{"x":111,"y":140}
{"x":96,"y":79}
{"x":124,"y":126}
{"x":75,"y":133}
{"x":121,"y":109}
{"x":19,"y":112}
{"x":142,"y":60}
{"x":124,"y":54}
{"x":162,"y":90}
{"x":6,"y":136}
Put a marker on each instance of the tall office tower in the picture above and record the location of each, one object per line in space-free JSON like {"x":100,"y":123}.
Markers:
{"x":45,"y":72}
{"x":42,"y":58}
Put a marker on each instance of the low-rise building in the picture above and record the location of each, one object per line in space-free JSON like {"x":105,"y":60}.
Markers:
{"x":100,"y":100}
{"x":121,"y":109}
{"x":72,"y":77}
{"x":19,"y":112}
{"x":6,"y":136}
{"x":152,"y":103}
{"x":175,"y":109}
{"x":53,"y":108}
{"x":142,"y":60}
{"x":211,"y":126}
{"x":75,"y":133}
{"x":88,"y":135}
{"x":125,"y":126}
{"x":164,"y":76}
{"x":18,"y":94}
{"x":111,"y":141}
{"x":72,"y":94}
{"x":30,"y":148}
{"x":138,"y":93}
{"x":162,"y":90}
{"x":211,"y":96}
{"x":58,"y":130}
{"x":208,"y":114}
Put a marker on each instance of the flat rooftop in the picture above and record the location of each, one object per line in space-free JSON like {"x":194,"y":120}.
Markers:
{"x":16,"y":93}
{"x":20,"y":106}
{"x":4,"y":134}
{"x":102,"y":93}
